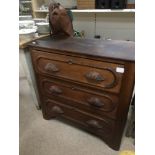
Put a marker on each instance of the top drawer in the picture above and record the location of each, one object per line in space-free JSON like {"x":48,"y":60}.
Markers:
{"x":91,"y":73}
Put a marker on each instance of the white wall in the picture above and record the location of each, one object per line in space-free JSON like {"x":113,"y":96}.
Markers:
{"x":120,"y":26}
{"x":109,"y":25}
{"x":84,"y":22}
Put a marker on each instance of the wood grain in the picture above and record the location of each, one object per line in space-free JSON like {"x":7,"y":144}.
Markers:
{"x":89,"y":82}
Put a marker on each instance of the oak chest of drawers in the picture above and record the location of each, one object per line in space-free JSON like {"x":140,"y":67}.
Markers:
{"x":86,"y":81}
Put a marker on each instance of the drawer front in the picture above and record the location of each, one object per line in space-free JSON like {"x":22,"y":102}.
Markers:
{"x":104,"y":104}
{"x":91,"y":122}
{"x":101,"y":75}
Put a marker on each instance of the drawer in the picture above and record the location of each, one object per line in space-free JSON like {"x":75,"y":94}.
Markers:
{"x":91,"y":73}
{"x":94,"y":124}
{"x":104,"y":104}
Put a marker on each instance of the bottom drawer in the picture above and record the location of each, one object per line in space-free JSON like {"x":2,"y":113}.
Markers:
{"x":99,"y":126}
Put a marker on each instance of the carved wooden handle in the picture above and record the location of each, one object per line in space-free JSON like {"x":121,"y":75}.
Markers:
{"x":55,"y":90}
{"x":57,"y":110}
{"x":94,"y":101}
{"x":94,"y":124}
{"x":51,"y":67}
{"x":95,"y":76}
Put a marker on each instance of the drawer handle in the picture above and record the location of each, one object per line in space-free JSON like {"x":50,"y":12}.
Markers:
{"x":55,"y":90}
{"x":96,"y":102}
{"x":57,"y":110}
{"x":51,"y":67}
{"x":94,"y":124}
{"x":95,"y":76}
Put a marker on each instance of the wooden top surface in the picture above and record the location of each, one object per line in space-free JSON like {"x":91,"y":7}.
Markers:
{"x":115,"y":49}
{"x":23,"y":43}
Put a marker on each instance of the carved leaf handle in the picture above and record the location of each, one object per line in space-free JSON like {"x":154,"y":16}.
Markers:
{"x":51,"y":67}
{"x":94,"y":124}
{"x":57,"y":110}
{"x":95,"y":76}
{"x":55,"y":90}
{"x":96,"y":102}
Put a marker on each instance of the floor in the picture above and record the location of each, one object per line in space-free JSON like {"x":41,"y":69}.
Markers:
{"x":52,"y":137}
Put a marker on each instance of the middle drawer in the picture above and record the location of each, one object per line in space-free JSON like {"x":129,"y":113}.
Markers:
{"x":90,"y":101}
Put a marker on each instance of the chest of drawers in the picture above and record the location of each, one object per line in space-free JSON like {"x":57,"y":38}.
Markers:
{"x":88,"y":82}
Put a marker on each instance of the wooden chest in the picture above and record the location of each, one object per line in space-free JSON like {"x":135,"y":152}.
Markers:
{"x":86,"y":81}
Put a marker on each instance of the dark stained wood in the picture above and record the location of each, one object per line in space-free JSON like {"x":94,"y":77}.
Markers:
{"x":62,"y":65}
{"x":130,"y":6}
{"x":122,"y":50}
{"x":56,"y":109}
{"x":125,"y":99}
{"x":88,"y":82}
{"x":77,"y":97}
